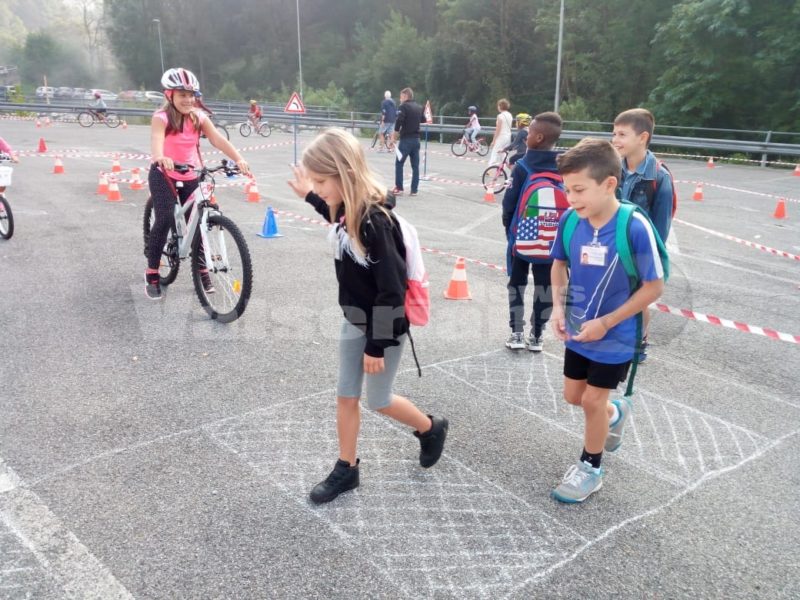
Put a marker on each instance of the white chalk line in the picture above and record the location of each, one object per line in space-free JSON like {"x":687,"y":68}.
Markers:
{"x":708,"y":476}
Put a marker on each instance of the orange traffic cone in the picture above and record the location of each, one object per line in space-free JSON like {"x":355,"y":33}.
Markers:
{"x":115,"y":166}
{"x":136,"y":182}
{"x":458,"y":288}
{"x":102,"y":185}
{"x":710,"y":162}
{"x":797,"y":171}
{"x":252,"y":194}
{"x":247,"y":185}
{"x":113,"y":192}
{"x":38,"y":124}
{"x":124,"y":124}
{"x":780,"y":210}
{"x":58,"y":168}
{"x":698,"y":192}
{"x":47,"y":122}
{"x":42,"y":145}
{"x":488,"y":196}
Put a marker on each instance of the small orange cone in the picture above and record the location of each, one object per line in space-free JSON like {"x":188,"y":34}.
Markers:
{"x":247,"y":186}
{"x":488,"y":196}
{"x":102,"y":185}
{"x":42,"y":145}
{"x":136,"y":183}
{"x":58,"y":168}
{"x":115,"y":166}
{"x":113,"y":192}
{"x":797,"y":171}
{"x":47,"y":122}
{"x":458,"y":288}
{"x":38,"y":124}
{"x":780,"y":210}
{"x":252,"y":194}
{"x":124,"y":124}
{"x":698,"y":192}
{"x":710,"y":162}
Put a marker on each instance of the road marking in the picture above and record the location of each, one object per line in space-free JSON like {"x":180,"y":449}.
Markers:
{"x":476,"y":223}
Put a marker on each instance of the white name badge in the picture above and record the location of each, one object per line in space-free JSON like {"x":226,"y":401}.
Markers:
{"x":594,"y":256}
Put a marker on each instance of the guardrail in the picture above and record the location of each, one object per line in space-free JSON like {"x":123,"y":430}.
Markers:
{"x":320,"y":118}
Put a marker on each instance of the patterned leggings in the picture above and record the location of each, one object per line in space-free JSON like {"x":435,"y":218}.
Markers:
{"x":163,"y":209}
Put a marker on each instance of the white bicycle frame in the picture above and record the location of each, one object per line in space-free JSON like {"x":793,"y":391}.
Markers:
{"x":187,"y":230}
{"x":5,"y":171}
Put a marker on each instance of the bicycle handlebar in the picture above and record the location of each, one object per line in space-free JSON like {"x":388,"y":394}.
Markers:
{"x":230,"y":168}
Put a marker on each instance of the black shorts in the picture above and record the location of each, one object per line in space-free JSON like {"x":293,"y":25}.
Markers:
{"x":596,"y":374}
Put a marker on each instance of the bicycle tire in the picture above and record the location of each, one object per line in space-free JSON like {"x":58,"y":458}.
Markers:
{"x":170,"y":264}
{"x":6,"y":219}
{"x":224,"y":131}
{"x":459,"y":147}
{"x":233,"y":282}
{"x":495,"y":178}
{"x":265,"y":130}
{"x":245,"y":130}
{"x":375,"y":138}
{"x":85,"y":119}
{"x":112,"y":120}
{"x":483,"y":148}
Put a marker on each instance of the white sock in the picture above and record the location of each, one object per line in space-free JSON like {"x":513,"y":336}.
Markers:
{"x":615,"y":417}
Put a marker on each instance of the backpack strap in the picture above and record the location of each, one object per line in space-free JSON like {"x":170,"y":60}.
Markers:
{"x":570,"y":223}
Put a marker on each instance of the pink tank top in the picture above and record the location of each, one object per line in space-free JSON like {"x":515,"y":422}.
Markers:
{"x":182,"y":147}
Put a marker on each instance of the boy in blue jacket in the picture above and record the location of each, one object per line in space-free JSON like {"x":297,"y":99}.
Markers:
{"x":644,"y":180}
{"x":530,"y":229}
{"x":594,"y":307}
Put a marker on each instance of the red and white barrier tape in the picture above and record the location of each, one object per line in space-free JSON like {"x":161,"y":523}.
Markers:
{"x":468,"y":158}
{"x":680,"y":312}
{"x":740,"y":190}
{"x":75,"y":153}
{"x":454,"y":182}
{"x":732,"y":238}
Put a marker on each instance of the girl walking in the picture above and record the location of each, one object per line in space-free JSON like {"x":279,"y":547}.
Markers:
{"x":370,"y":268}
{"x":175,"y":138}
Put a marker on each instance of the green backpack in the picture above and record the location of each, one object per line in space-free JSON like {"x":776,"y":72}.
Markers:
{"x":623,"y":243}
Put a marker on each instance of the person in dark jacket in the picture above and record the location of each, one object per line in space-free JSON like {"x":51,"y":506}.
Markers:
{"x":370,"y":268}
{"x":406,"y":127}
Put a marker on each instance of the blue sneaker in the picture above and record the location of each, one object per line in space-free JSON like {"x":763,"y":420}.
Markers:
{"x":614,"y":439}
{"x":580,"y":482}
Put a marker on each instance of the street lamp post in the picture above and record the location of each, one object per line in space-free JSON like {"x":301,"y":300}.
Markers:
{"x":160,"y":47}
{"x":558,"y":59}
{"x":299,"y":51}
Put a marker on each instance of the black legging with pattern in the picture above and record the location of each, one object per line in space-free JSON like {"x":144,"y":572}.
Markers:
{"x":163,"y":209}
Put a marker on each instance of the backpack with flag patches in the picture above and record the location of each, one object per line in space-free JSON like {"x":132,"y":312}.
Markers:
{"x":541,"y":203}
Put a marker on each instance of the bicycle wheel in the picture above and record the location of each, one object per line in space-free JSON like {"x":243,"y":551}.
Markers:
{"x":482,"y":149}
{"x":245,"y":130}
{"x":112,"y":120}
{"x":495,"y":178}
{"x":375,"y":138}
{"x":229,"y":276}
{"x":6,"y":219}
{"x":265,"y":130}
{"x":85,"y":119}
{"x":169,"y":265}
{"x":224,"y":130}
{"x":459,"y":147}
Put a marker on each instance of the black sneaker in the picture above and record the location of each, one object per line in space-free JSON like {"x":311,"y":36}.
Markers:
{"x":205,"y":279}
{"x":432,"y":441}
{"x":153,"y":286}
{"x":643,"y":350}
{"x":342,"y":479}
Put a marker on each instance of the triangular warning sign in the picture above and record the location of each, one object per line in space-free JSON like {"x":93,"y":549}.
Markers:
{"x":295,"y":105}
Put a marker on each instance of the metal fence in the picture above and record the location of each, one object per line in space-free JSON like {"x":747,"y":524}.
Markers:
{"x":727,"y":140}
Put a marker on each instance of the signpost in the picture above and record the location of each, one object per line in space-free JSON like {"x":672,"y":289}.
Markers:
{"x":428,"y":114}
{"x":295,"y":107}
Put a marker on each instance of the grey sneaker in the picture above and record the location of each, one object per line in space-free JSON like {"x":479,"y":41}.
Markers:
{"x":534,"y":343}
{"x":614,"y":439}
{"x":516,"y":341}
{"x":580,"y":482}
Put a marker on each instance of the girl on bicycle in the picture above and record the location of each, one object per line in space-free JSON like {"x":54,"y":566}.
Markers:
{"x":370,"y":267}
{"x":6,"y":149}
{"x":175,"y":138}
{"x":473,"y":125}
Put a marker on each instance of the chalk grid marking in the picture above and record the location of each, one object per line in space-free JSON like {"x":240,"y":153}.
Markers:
{"x":670,"y":440}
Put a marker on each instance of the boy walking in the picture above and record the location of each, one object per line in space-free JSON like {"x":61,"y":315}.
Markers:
{"x":594,"y":308}
{"x":532,"y":206}
{"x":645,"y":181}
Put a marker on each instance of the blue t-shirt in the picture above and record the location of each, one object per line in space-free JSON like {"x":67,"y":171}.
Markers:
{"x":595,"y":291}
{"x":389,"y":110}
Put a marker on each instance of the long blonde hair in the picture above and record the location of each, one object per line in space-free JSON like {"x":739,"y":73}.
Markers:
{"x":337,"y":153}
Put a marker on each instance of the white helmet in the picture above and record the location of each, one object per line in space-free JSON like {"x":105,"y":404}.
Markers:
{"x":180,"y":79}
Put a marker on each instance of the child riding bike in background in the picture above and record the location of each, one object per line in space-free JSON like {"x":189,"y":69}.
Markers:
{"x":473,"y":125}
{"x":175,"y":138}
{"x":99,"y":106}
{"x":255,"y":114}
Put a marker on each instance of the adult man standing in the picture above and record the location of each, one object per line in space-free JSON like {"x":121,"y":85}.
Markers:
{"x":409,"y":116}
{"x":388,"y":118}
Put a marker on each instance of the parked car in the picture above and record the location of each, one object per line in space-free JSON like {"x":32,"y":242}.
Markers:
{"x":64,"y":92}
{"x":155,"y":97}
{"x":45,"y":92}
{"x":78,"y":93}
{"x":127,"y":95}
{"x":7,"y":92}
{"x":141,"y":96}
{"x":104,"y":94}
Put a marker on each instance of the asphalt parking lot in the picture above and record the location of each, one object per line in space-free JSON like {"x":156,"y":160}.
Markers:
{"x":148,"y":452}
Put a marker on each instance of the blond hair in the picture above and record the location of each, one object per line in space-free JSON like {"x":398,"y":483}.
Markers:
{"x":337,"y":153}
